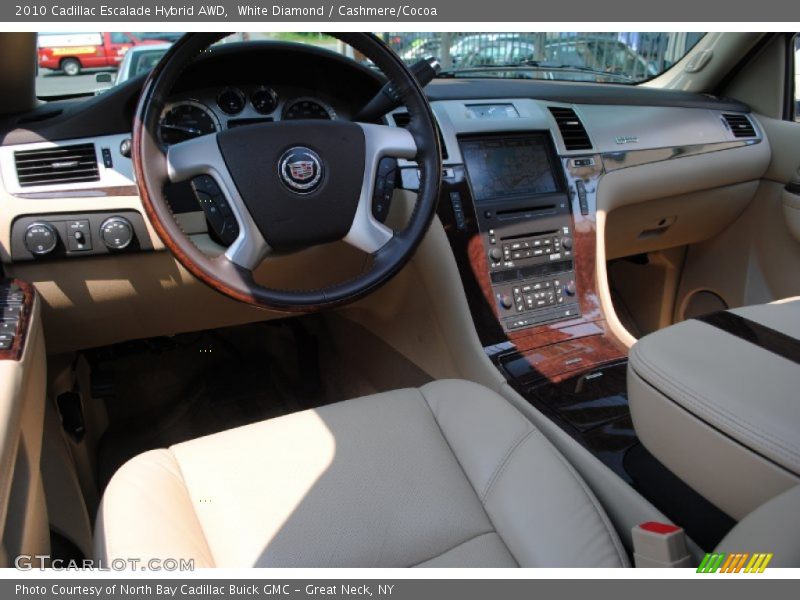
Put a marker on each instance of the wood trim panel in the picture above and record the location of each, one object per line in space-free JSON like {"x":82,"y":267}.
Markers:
{"x":555,"y":350}
{"x":101,"y":192}
{"x":21,"y":335}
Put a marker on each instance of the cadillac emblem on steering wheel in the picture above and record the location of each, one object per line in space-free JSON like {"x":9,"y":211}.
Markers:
{"x":300,"y":169}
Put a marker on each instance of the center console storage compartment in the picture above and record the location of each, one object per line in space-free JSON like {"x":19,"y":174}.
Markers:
{"x":717,"y":400}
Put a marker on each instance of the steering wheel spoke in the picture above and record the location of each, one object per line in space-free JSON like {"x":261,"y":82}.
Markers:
{"x":367,"y":233}
{"x":202,"y":156}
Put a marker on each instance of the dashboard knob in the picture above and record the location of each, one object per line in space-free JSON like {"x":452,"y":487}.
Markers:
{"x":566,"y":242}
{"x":496,"y":255}
{"x":40,"y":238}
{"x":505,"y":301}
{"x":569,"y":288}
{"x":116,"y":233}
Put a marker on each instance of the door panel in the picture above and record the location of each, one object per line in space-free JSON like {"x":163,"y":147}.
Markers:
{"x":23,"y":515}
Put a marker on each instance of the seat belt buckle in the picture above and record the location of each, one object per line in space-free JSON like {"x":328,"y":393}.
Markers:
{"x":660,"y":545}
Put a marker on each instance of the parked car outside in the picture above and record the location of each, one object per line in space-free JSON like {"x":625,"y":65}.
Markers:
{"x":70,"y":53}
{"x":140,"y":59}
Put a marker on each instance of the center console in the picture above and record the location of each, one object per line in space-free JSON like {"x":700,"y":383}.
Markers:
{"x":519,"y":213}
{"x":518,"y":207}
{"x":725,"y":384}
{"x":522,"y":212}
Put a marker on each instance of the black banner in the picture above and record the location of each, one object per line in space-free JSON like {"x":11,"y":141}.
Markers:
{"x":386,"y":11}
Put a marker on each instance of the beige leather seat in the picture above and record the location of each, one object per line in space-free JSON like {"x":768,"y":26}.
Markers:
{"x":446,"y":475}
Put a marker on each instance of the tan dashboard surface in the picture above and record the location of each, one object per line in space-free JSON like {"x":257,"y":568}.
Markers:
{"x":94,"y":301}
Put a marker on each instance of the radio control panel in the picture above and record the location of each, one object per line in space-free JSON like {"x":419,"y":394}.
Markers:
{"x":550,"y":247}
{"x":533,"y":278}
{"x":524,"y":219}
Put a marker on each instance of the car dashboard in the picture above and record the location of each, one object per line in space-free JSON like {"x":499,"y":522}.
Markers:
{"x":531,"y":169}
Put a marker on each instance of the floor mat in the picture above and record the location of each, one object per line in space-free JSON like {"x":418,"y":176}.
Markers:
{"x":167,"y":390}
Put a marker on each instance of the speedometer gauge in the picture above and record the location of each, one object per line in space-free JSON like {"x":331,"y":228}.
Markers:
{"x":307,"y":108}
{"x":185,"y":120}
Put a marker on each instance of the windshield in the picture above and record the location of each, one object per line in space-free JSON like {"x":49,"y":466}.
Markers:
{"x":619,"y":57}
{"x":81,"y":63}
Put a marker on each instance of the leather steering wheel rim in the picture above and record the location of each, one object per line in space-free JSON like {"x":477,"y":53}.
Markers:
{"x":232,"y":273}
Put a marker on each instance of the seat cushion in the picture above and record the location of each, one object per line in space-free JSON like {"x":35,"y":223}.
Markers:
{"x":446,"y":475}
{"x":716,"y":400}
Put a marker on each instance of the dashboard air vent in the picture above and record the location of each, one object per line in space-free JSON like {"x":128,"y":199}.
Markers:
{"x":402,"y":119}
{"x":58,"y":165}
{"x":739,"y":125}
{"x":571,"y":128}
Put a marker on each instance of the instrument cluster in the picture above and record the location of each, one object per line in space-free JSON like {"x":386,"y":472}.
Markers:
{"x":210,"y":111}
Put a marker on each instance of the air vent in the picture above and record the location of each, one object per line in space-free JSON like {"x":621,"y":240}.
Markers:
{"x":571,"y":128}
{"x":403,"y":119}
{"x":739,"y":125}
{"x":56,"y":166}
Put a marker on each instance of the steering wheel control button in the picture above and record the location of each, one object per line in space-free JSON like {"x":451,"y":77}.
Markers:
{"x":220,"y":218}
{"x":41,"y":239}
{"x":384,"y":188}
{"x":116,"y":233}
{"x":79,"y":236}
{"x":300,"y":169}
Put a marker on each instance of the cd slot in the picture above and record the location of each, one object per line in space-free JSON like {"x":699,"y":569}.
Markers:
{"x":527,"y":212}
{"x":507,"y":238}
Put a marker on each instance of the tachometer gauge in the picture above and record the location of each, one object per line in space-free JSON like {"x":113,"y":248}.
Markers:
{"x":264,"y":100}
{"x":307,"y":108}
{"x":185,"y":120}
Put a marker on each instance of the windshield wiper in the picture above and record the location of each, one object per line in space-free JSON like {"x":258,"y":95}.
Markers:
{"x":530,"y":65}
{"x":584,"y":69}
{"x":483,"y":67}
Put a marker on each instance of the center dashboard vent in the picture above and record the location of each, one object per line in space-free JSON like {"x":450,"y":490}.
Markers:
{"x":739,"y":125}
{"x":572,"y":130}
{"x":402,"y":119}
{"x":57,"y":165}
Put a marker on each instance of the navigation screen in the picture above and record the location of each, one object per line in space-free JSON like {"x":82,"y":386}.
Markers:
{"x":514,"y":166}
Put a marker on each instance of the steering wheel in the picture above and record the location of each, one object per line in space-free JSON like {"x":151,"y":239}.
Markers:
{"x":289,"y":184}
